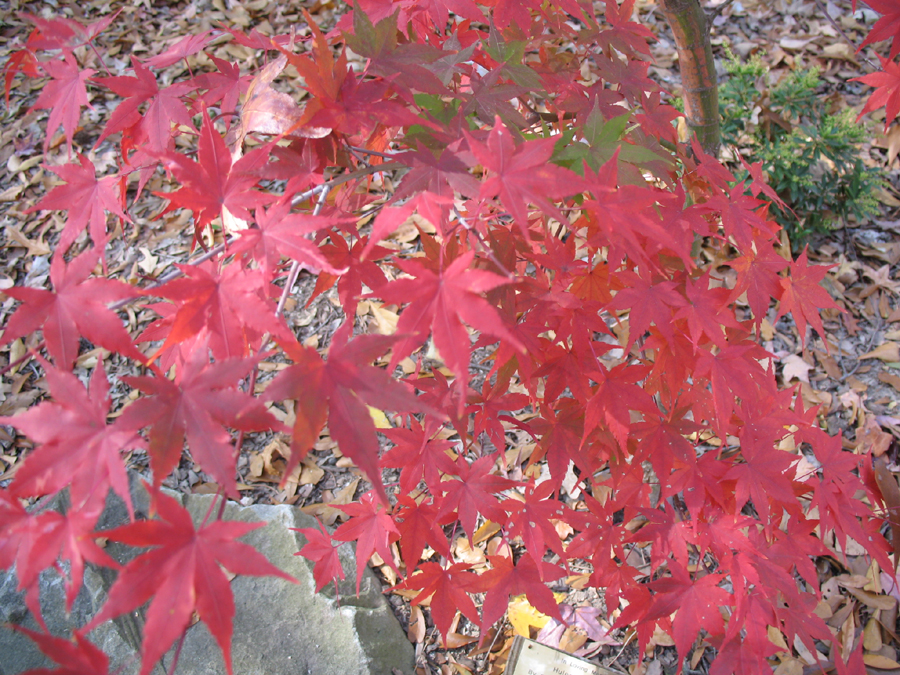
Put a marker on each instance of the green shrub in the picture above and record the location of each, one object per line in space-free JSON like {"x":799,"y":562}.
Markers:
{"x":811,"y":157}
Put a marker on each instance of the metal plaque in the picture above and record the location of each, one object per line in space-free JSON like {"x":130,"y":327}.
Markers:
{"x":528,"y":657}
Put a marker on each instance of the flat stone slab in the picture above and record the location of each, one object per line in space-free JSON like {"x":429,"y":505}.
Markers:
{"x":280,"y":628}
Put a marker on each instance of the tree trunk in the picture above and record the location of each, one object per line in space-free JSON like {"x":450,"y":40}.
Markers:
{"x":698,"y":72}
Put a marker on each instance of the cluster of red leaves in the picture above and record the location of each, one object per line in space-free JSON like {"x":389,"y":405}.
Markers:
{"x":563,"y":238}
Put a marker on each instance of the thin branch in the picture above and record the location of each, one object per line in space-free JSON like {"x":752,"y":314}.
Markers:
{"x":487,"y":249}
{"x":837,"y":27}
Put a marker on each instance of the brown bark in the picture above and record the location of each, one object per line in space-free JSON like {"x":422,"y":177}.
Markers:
{"x":698,"y":72}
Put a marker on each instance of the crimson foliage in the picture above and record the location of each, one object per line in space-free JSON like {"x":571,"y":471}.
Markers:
{"x":558,"y":216}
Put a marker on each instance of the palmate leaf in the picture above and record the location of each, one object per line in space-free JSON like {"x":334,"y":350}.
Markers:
{"x":338,"y":390}
{"x":181,"y":573}
{"x":197,"y":405}
{"x":76,"y":307}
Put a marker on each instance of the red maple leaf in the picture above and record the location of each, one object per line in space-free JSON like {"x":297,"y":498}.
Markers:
{"x":186,"y":46}
{"x":86,"y":199}
{"x":695,"y":604}
{"x":278,"y":233}
{"x":450,"y":588}
{"x":804,"y":297}
{"x":63,"y":96}
{"x":650,"y":302}
{"x":474,"y":492}
{"x":373,"y":530}
{"x":230,"y":307}
{"x":360,"y":270}
{"x":339,"y":389}
{"x":506,"y":579}
{"x":758,"y":278}
{"x":76,"y":446}
{"x":197,"y":405}
{"x":154,"y":128}
{"x":22,"y":61}
{"x":327,"y":561}
{"x":886,"y":94}
{"x":182,"y":573}
{"x":223,"y":88}
{"x":81,"y":657}
{"x":214,"y":182}
{"x":68,"y":537}
{"x":76,"y":306}
{"x":418,"y":525}
{"x":523,"y":174}
{"x":67,"y":34}
{"x":707,"y":312}
{"x":415,"y":453}
{"x":531,"y":520}
{"x":438,"y":302}
{"x":886,"y":28}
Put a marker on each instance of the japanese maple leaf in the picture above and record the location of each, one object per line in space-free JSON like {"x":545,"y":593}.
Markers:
{"x":803,"y":296}
{"x":695,"y":604}
{"x":648,"y":302}
{"x":741,"y":219}
{"x":360,"y":270}
{"x":231,"y":305}
{"x":887,"y":27}
{"x":22,"y":61}
{"x":531,"y":520}
{"x":488,"y":409}
{"x":733,"y":372}
{"x":439,"y":302}
{"x":523,"y":174}
{"x":416,"y":452}
{"x":758,"y":183}
{"x":418,"y":525}
{"x":67,"y":34}
{"x":450,"y":588}
{"x":278,"y":233}
{"x":76,"y":306}
{"x":326,"y":559}
{"x":164,"y":107}
{"x":81,"y":657}
{"x":373,"y":530}
{"x":625,"y":35}
{"x":182,"y":573}
{"x":474,"y":492}
{"x":887,"y":92}
{"x":765,"y":476}
{"x":758,"y":278}
{"x":198,"y":405}
{"x":506,"y":579}
{"x":76,"y":446}
{"x":86,"y":199}
{"x":224,"y":87}
{"x":186,"y":46}
{"x":64,"y":96}
{"x":617,"y":395}
{"x":213,"y":183}
{"x":339,"y":390}
{"x":68,"y":537}
{"x":707,"y":312}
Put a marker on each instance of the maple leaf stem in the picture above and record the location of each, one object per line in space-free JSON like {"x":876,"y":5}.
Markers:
{"x":371,"y":152}
{"x":31,"y":353}
{"x":177,"y":652}
{"x":483,"y":243}
{"x":294,"y":272}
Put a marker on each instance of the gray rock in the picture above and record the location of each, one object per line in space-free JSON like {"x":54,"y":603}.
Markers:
{"x":279,"y":627}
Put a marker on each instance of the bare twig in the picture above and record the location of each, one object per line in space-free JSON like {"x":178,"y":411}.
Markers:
{"x":837,"y":27}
